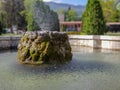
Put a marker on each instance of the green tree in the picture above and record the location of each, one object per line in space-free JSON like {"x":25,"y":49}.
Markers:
{"x":29,"y":13}
{"x":116,"y":16}
{"x":71,"y":15}
{"x":3,"y":14}
{"x":1,"y":28}
{"x":10,"y":10}
{"x":110,"y":11}
{"x":92,"y":19}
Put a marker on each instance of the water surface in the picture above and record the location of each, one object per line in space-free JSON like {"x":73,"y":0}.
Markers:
{"x":89,"y":70}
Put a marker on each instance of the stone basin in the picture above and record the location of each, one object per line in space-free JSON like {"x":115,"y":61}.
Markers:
{"x":44,"y":47}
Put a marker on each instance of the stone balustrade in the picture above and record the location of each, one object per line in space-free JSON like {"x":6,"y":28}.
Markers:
{"x":103,"y":42}
{"x":7,"y":42}
{"x":96,"y":41}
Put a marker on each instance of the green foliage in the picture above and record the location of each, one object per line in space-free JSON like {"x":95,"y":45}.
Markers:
{"x":71,"y":15}
{"x":0,"y":28}
{"x":3,"y":30}
{"x":92,"y":19}
{"x":29,"y":13}
{"x":110,"y":11}
{"x":75,"y":33}
{"x":112,"y":34}
{"x":2,"y":21}
{"x":3,"y":15}
{"x":32,"y":25}
{"x":115,"y":17}
{"x":63,"y":28}
{"x":10,"y":13}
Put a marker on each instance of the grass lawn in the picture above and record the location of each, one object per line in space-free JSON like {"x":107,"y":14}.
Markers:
{"x":113,"y":34}
{"x":9,"y":34}
{"x":75,"y":33}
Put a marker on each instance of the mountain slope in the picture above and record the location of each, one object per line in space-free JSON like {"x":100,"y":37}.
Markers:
{"x":56,"y":6}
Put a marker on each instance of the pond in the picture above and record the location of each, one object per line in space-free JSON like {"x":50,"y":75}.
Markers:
{"x":90,"y":69}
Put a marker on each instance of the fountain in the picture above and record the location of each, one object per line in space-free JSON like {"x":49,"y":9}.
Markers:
{"x":47,"y":46}
{"x":45,"y":18}
{"x":90,"y":69}
{"x":43,"y":47}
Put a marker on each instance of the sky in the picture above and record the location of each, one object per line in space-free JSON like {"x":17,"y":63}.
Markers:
{"x":74,"y":2}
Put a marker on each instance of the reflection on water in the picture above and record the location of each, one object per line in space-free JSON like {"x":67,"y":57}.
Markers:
{"x":91,"y":50}
{"x":89,"y":70}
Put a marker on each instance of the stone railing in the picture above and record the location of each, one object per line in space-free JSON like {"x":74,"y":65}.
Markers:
{"x":102,"y":42}
{"x":7,"y":42}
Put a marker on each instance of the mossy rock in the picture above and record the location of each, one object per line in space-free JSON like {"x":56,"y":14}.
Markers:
{"x":44,"y":48}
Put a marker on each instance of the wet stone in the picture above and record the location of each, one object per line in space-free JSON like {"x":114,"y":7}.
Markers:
{"x":44,"y":47}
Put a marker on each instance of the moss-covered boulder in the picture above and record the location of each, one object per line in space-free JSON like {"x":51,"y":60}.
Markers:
{"x":44,"y":48}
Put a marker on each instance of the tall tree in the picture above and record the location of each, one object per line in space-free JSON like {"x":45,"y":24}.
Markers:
{"x":92,"y":19}
{"x":12,"y":9}
{"x":29,"y":10}
{"x":71,"y":15}
{"x":3,"y":14}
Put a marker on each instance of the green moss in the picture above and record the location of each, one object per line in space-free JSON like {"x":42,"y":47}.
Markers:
{"x":24,"y":55}
{"x":35,"y":57}
{"x":44,"y":50}
{"x":34,"y":54}
{"x":42,"y":46}
{"x":49,"y":49}
{"x":24,"y":38}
